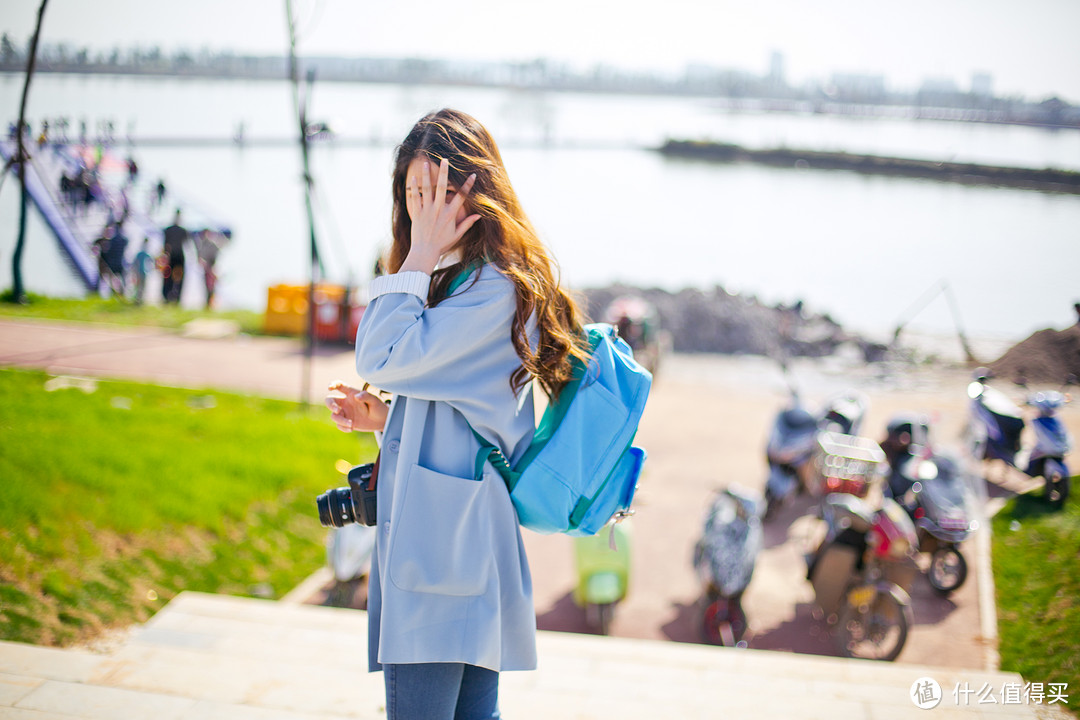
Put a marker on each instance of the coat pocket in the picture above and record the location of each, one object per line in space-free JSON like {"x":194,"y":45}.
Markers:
{"x":441,"y":538}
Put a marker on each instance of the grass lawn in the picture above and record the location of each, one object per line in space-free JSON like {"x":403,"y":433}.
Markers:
{"x":123,"y":312}
{"x":1036,"y":555}
{"x":116,"y":498}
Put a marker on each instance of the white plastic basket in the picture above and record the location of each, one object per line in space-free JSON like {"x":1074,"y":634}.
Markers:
{"x":846,"y":464}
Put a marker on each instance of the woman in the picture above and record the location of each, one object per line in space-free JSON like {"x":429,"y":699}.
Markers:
{"x":450,"y":596}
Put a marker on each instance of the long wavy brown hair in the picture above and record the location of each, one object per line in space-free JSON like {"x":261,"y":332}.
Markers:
{"x":502,"y":236}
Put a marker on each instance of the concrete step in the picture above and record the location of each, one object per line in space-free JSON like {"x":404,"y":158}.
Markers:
{"x":207,"y":656}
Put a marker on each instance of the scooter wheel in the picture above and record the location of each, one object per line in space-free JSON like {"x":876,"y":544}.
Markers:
{"x":1056,"y":489}
{"x":723,"y":622}
{"x":599,"y":616}
{"x":606,"y":613}
{"x":948,"y":570}
{"x":877,"y":631}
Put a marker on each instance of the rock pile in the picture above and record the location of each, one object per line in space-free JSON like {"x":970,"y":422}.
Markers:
{"x":719,"y":322}
{"x":1047,"y":356}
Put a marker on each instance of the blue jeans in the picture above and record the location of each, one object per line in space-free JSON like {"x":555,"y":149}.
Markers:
{"x":441,"y":691}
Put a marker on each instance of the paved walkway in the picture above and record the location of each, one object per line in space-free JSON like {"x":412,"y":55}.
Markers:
{"x":207,"y":355}
{"x":635,"y":675}
{"x":207,"y":657}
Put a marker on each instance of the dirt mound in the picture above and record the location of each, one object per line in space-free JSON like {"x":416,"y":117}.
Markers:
{"x":1048,"y":356}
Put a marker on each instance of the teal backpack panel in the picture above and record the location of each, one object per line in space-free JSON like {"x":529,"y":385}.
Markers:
{"x":581,"y":469}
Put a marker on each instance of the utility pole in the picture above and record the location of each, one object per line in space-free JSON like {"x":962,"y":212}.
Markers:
{"x":300,"y":106}
{"x":18,"y":293}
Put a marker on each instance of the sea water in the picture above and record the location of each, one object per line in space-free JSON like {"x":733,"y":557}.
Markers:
{"x":867,"y":250}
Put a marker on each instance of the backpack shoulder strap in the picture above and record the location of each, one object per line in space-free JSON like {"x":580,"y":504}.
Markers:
{"x":462,"y":276}
{"x":490,"y":452}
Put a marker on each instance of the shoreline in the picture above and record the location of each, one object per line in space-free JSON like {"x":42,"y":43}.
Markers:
{"x":1043,"y":180}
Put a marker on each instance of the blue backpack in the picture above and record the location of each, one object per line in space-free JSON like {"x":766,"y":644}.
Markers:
{"x":581,"y":468}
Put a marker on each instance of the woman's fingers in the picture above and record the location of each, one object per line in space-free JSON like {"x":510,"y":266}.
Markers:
{"x":425,"y":186}
{"x":461,"y":195}
{"x":442,"y":182}
{"x":464,"y":225}
{"x":354,"y":410}
{"x":412,"y":199}
{"x":334,"y":399}
{"x":435,"y":212}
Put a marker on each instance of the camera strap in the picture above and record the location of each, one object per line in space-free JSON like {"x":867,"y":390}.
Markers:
{"x":375,"y":471}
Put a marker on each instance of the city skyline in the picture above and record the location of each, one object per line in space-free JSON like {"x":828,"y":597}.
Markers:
{"x":1026,"y":51}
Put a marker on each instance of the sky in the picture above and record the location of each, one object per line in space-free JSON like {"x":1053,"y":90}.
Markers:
{"x":1029,"y":48}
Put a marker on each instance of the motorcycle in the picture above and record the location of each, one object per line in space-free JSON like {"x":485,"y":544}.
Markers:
{"x":603,"y":570}
{"x":724,"y":560}
{"x":995,"y":426}
{"x":860,"y":574}
{"x":930,"y":487}
{"x":793,"y":443}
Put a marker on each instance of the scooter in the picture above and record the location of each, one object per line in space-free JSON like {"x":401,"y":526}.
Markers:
{"x":793,"y":442}
{"x":844,"y":413}
{"x":1052,"y":443}
{"x":995,"y":422}
{"x":995,"y":426}
{"x":724,"y":559}
{"x":603,"y":570}
{"x":348,"y":553}
{"x":860,"y":574}
{"x":789,"y":450}
{"x":930,"y":486}
{"x":938,"y":507}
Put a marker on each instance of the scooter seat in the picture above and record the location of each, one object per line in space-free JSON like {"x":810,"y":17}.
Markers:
{"x":797,"y":421}
{"x":603,"y":588}
{"x":847,"y":510}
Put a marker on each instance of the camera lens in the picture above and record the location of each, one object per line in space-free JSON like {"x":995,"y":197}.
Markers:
{"x":335,"y":508}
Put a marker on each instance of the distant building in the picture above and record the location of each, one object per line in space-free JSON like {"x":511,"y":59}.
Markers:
{"x":712,"y":79}
{"x":982,"y":85}
{"x":939,"y":86}
{"x":776,"y":69}
{"x":857,"y":87}
{"x":940,"y":92}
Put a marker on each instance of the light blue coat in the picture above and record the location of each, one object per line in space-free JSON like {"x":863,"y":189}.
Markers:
{"x":451,"y":582}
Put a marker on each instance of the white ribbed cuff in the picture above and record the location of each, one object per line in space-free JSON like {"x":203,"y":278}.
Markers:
{"x":413,"y":282}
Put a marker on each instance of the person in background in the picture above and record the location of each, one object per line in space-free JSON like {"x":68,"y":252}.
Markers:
{"x":450,"y":601}
{"x":140,"y":268}
{"x":115,"y":258}
{"x":101,"y":248}
{"x":172,"y":253}
{"x":208,"y":244}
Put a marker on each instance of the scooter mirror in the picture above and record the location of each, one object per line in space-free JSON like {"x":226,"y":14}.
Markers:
{"x":974,"y":390}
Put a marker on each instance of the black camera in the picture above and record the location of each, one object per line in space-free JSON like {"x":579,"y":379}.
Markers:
{"x":354,"y":504}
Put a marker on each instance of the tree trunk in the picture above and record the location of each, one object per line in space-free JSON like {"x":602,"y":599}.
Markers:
{"x":18,"y":294}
